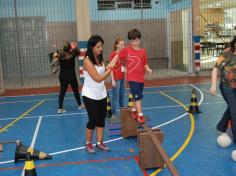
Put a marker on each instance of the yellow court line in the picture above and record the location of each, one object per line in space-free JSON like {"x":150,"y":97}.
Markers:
{"x":167,"y":91}
{"x":20,"y":117}
{"x":180,"y":150}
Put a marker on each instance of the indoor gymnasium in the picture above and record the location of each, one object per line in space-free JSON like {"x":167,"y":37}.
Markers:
{"x":117,"y":87}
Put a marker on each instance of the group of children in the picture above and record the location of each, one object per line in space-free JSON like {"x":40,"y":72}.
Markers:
{"x":132,"y":58}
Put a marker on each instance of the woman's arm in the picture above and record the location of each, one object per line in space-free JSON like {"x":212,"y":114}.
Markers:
{"x":213,"y":81}
{"x":90,"y":68}
{"x":113,"y":82}
{"x":147,"y":68}
{"x":55,"y":60}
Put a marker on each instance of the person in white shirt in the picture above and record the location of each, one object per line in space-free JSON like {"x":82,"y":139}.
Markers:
{"x":94,"y":92}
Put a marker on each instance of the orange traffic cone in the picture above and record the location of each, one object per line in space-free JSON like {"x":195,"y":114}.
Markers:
{"x":131,"y":100}
{"x":109,"y":112}
{"x":194,"y":109}
{"x":21,"y":151}
{"x":29,"y":167}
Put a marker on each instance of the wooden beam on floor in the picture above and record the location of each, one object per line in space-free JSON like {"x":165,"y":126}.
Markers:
{"x":162,"y":152}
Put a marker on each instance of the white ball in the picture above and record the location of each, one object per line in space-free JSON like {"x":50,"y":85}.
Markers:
{"x":224,"y":140}
{"x":233,"y":155}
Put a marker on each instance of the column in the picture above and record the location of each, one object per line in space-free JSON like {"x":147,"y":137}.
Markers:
{"x":196,"y":33}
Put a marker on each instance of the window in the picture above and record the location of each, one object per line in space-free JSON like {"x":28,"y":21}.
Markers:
{"x":145,"y":4}
{"x":123,"y":4}
{"x":175,"y":1}
{"x":106,"y":4}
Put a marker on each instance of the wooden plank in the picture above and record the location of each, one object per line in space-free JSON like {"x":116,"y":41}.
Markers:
{"x":162,"y":152}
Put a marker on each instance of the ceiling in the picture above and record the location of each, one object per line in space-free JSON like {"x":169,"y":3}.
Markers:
{"x":224,"y":4}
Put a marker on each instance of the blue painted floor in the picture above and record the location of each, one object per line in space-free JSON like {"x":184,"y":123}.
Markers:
{"x":190,"y":141}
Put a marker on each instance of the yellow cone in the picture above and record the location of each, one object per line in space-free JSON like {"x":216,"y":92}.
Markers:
{"x":131,"y":100}
{"x":22,"y":150}
{"x":29,"y":167}
{"x":109,"y":112}
{"x":194,"y":109}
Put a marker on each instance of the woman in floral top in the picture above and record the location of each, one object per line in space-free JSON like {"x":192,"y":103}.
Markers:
{"x":226,"y":64}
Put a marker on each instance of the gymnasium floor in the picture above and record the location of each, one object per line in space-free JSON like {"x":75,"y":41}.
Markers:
{"x":190,"y":140}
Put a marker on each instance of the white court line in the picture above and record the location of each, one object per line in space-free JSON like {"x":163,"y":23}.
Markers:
{"x":6,"y":162}
{"x":56,"y":99}
{"x":52,"y":115}
{"x":116,"y":139}
{"x":34,"y":138}
{"x":210,"y":93}
{"x":202,"y":83}
{"x":112,"y":140}
{"x":149,"y":87}
{"x":29,"y":101}
{"x":70,"y":114}
{"x":36,"y":132}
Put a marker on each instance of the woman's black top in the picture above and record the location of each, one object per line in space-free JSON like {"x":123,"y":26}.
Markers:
{"x":67,"y":66}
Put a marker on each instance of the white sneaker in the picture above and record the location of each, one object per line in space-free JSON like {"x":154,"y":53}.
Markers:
{"x":82,"y":106}
{"x":113,"y":117}
{"x":60,"y":111}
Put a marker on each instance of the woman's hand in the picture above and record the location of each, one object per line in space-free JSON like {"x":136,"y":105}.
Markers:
{"x":149,"y":71}
{"x":213,"y":89}
{"x":113,"y":83}
{"x":55,"y":55}
{"x":110,"y":66}
{"x":113,"y":63}
{"x":114,"y":60}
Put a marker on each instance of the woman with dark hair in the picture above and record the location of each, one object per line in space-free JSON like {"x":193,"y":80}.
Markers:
{"x":66,"y":59}
{"x":227,"y":66}
{"x":94,"y":91}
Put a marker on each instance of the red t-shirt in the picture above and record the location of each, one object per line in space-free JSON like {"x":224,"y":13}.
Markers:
{"x":117,"y":70}
{"x":135,"y":61}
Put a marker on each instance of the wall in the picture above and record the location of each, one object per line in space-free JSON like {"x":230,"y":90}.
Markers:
{"x":180,"y":5}
{"x":58,"y":33}
{"x":53,"y":10}
{"x":153,"y":34}
{"x":159,"y":10}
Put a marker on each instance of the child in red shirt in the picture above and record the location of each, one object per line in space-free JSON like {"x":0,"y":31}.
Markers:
{"x":117,"y":78}
{"x":136,"y":65}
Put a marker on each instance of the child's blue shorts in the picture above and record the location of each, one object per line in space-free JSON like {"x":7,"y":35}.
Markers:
{"x":136,"y":88}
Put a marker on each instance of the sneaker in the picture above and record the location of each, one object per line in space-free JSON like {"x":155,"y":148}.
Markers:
{"x":113,"y":117}
{"x":89,"y":148}
{"x":134,"y":115}
{"x":102,"y":147}
{"x":60,"y":111}
{"x":141,"y":119}
{"x":82,"y":106}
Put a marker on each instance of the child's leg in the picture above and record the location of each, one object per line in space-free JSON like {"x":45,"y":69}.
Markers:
{"x":138,"y":105}
{"x":121,"y":93}
{"x":134,"y":107}
{"x":136,"y":89}
{"x":114,"y":99}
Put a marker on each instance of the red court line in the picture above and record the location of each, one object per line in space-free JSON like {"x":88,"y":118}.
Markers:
{"x":137,"y":160}
{"x":72,"y":163}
